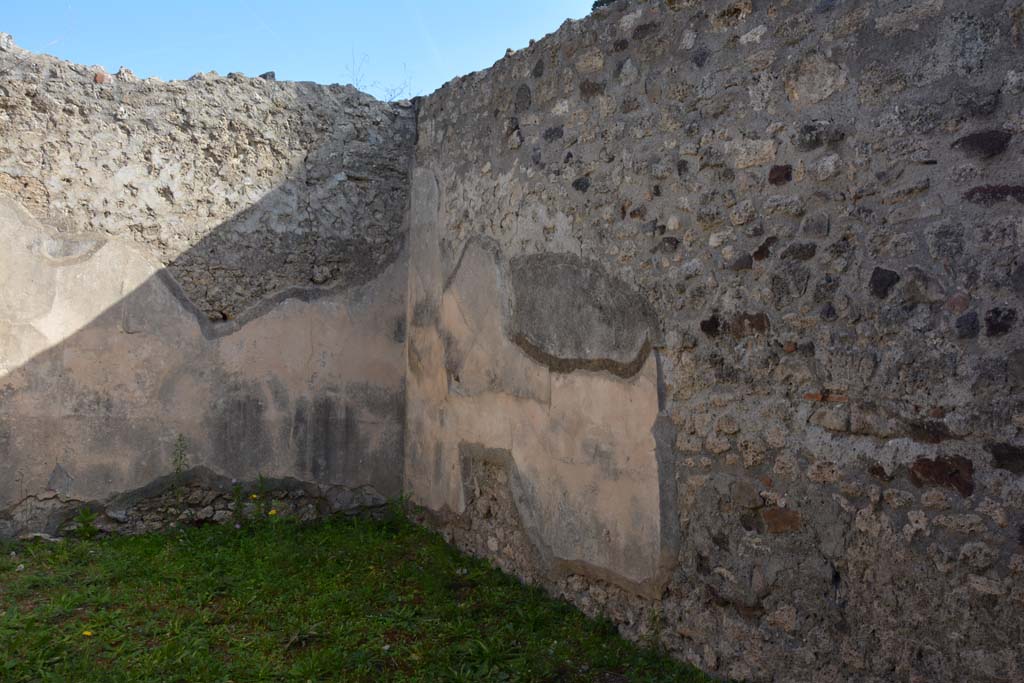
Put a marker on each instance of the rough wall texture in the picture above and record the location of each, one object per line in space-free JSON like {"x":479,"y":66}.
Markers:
{"x":240,"y":186}
{"x":714,"y":328}
{"x":706,"y":318}
{"x":217,"y":258}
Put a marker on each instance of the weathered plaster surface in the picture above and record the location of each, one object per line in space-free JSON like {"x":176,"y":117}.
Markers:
{"x":219,"y":258}
{"x":819,"y":206}
{"x":104,"y":363}
{"x":579,"y":445}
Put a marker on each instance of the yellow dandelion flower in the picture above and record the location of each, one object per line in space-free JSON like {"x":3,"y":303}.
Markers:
{"x":253,"y":496}
{"x":87,"y":634}
{"x":272,"y":513}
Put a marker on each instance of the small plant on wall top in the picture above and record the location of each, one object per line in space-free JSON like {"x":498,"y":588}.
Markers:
{"x":259,"y":504}
{"x":179,"y":460}
{"x":266,"y":507}
{"x":180,"y":457}
{"x":238,"y":505}
{"x":85,"y":527}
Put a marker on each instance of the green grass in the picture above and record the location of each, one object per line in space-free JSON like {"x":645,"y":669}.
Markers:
{"x":341,"y":600}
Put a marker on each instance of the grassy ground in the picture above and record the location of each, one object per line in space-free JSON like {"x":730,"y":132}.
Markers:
{"x":342,"y":600}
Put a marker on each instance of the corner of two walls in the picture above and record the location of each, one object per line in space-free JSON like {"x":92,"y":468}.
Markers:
{"x":702,"y":315}
{"x":220,"y":259}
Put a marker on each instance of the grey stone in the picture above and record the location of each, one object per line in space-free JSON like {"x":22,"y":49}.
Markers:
{"x":968,"y":325}
{"x":999,"y":321}
{"x":882,"y":281}
{"x":815,"y":225}
{"x":985,"y":144}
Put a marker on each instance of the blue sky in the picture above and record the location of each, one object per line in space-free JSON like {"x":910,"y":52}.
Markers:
{"x":388,"y":48}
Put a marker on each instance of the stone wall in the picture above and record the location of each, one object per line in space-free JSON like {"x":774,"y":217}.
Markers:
{"x":217,"y":259}
{"x":704,"y":315}
{"x":713,"y":328}
{"x":240,"y":186}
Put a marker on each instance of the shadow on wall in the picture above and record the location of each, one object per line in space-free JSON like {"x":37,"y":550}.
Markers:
{"x":105,"y":360}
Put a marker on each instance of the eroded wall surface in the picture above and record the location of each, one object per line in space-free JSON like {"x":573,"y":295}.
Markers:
{"x":239,"y":186}
{"x":578,"y":445}
{"x":714,"y":329}
{"x":219,"y":259}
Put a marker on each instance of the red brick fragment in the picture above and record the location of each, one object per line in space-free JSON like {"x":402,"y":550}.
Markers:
{"x":780,"y":520}
{"x":826,"y":397}
{"x":954,"y":472}
{"x":958,"y":303}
